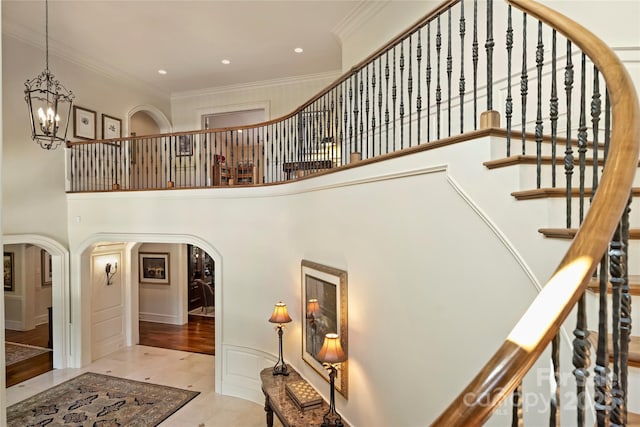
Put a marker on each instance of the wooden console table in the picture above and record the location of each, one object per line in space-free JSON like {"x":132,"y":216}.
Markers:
{"x":277,"y":401}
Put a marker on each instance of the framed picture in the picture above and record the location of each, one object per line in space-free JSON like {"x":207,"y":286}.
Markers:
{"x":324,"y":308}
{"x":185,"y":145}
{"x":154,"y":268}
{"x":84,"y":123}
{"x":8,"y":271}
{"x":45,"y":268}
{"x":111,"y":127}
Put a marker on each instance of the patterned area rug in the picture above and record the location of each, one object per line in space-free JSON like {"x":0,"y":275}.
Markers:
{"x":15,"y":352}
{"x":99,"y":400}
{"x":208,"y":312}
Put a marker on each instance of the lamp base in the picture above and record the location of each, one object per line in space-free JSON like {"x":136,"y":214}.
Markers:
{"x":336,"y":422}
{"x":280,"y":369}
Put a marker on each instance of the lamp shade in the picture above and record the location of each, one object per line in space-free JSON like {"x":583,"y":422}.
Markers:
{"x":280,"y":314}
{"x":331,"y":351}
{"x":313,"y":307}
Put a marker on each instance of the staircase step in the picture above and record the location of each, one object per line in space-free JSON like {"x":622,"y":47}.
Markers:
{"x":570,"y":233}
{"x":542,"y":193}
{"x":634,"y":347}
{"x":634,"y":285}
{"x":526,"y":159}
{"x":633,"y":420}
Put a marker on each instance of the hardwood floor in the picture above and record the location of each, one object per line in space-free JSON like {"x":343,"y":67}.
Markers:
{"x":197,"y":336}
{"x":34,"y":366}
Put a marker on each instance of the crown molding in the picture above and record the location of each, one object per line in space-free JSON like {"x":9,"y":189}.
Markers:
{"x":308,"y":78}
{"x":358,"y":16}
{"x":69,"y":54}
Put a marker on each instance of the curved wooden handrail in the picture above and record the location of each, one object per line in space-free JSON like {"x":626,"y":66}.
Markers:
{"x":542,"y":321}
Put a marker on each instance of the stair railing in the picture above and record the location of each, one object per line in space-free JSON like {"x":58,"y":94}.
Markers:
{"x":604,"y":226}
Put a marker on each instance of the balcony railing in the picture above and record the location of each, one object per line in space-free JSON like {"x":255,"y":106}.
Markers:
{"x":563,"y":94}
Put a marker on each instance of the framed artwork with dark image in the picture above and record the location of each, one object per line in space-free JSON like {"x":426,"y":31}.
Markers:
{"x":185,"y":145}
{"x":154,"y":268}
{"x":111,"y":127}
{"x":84,"y":123}
{"x":45,"y":268}
{"x":8,"y":271}
{"x":324,"y":308}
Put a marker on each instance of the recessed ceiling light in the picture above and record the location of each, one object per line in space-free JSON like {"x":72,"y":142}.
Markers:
{"x":162,"y":72}
{"x":298,"y":50}
{"x":226,"y":62}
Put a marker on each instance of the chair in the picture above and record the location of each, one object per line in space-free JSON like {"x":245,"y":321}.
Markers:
{"x":207,"y":292}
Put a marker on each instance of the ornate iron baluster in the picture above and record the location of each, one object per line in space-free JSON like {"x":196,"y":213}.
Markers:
{"x":351,"y":145}
{"x":428,"y":76}
{"x":475,"y":54}
{"x":394,"y":95}
{"x":373,"y":110}
{"x":410,"y":87}
{"x":553,"y":108}
{"x":438,"y":88}
{"x":601,"y":382}
{"x":461,"y":85}
{"x":539,"y":62}
{"x":625,"y":312}
{"x":524,"y":83}
{"x":386,"y":114}
{"x":581,"y":352}
{"x":419,"y":96}
{"x":449,"y":71}
{"x":489,"y":47}
{"x":509,"y":100}
{"x":568,"y":158}
{"x":596,"y":109}
{"x":380,"y":102}
{"x":582,"y":136}
{"x":616,"y":270}
{"x":516,"y":407}
{"x":360,"y":148}
{"x":554,"y":413}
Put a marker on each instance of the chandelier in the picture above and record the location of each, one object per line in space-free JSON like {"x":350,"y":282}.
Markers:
{"x":49,"y":102}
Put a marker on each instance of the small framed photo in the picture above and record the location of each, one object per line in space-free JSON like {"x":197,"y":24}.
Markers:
{"x":185,"y":145}
{"x":84,"y":123}
{"x":111,"y":127}
{"x":8,"y":271}
{"x":154,"y":268}
{"x":45,"y":268}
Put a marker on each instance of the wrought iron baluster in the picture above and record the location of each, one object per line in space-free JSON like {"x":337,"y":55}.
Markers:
{"x":438,"y":87}
{"x":449,"y":71}
{"x":554,"y":413}
{"x":581,"y":352}
{"x":373,"y":109}
{"x":553,"y":108}
{"x":366,"y":108}
{"x":475,"y":55}
{"x":489,"y":47}
{"x":401,"y":94}
{"x":596,"y":109}
{"x":582,"y":137}
{"x":509,"y":100}
{"x":516,"y":407}
{"x":602,"y":386}
{"x":419,"y":96}
{"x":386,"y":114}
{"x":360,"y":148}
{"x":568,"y":158}
{"x":410,"y":87}
{"x":616,"y":271}
{"x":394,"y":95}
{"x":524,"y":83}
{"x":625,"y":313}
{"x":428,"y":77}
{"x":380,"y":103}
{"x":351,"y":106}
{"x":539,"y":62}
{"x":461,"y":84}
{"x":607,"y":125}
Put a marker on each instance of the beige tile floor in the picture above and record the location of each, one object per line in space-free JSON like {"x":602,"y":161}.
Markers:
{"x":191,"y":371}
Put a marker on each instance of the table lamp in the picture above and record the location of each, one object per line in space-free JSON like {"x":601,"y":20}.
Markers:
{"x":331,"y":355}
{"x":280,"y":316}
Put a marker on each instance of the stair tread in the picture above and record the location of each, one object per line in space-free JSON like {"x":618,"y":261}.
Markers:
{"x":530,"y":159}
{"x":569,"y":233}
{"x":634,"y":285}
{"x":634,"y":347}
{"x":541,"y":193}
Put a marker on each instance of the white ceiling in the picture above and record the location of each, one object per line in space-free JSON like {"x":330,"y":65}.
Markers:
{"x":189,"y":39}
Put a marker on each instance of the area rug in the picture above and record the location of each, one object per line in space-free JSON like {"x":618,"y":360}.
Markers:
{"x":210,"y":312}
{"x":99,"y":400}
{"x":15,"y":352}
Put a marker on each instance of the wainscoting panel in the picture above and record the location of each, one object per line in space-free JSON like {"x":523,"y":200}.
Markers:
{"x":241,"y":368}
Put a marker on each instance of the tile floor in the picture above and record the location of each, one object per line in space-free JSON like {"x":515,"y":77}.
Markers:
{"x":191,"y":371}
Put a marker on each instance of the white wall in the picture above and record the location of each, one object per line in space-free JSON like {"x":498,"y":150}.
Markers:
{"x":400,"y":229}
{"x":164,"y":303}
{"x":33,"y":196}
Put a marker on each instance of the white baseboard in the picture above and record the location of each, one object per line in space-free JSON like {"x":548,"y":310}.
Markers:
{"x":14,"y":325}
{"x":160,"y":318}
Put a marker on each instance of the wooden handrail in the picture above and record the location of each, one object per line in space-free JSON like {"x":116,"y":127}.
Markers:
{"x":542,"y":321}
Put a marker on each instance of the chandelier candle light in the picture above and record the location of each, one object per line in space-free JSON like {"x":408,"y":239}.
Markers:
{"x":280,"y":316}
{"x":49,"y":103}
